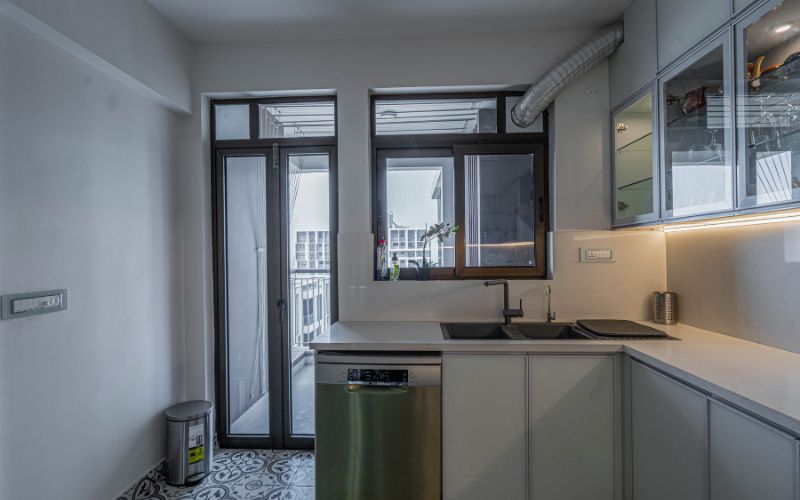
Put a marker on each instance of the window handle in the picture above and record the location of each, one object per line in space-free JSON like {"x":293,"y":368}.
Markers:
{"x":541,"y":209}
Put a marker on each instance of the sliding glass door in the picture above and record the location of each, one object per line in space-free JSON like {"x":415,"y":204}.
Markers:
{"x":276,"y":289}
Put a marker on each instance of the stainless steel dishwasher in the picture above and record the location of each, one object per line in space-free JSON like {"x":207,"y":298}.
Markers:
{"x":378,"y":422}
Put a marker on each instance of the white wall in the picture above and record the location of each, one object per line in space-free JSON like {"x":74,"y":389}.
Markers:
{"x":127,"y":39}
{"x":743,"y":282}
{"x":352,"y":69}
{"x":88,"y":203}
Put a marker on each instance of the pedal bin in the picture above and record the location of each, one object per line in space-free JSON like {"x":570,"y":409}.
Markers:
{"x":190,"y":445}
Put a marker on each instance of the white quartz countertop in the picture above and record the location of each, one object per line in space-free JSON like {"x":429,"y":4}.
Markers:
{"x":762,"y":380}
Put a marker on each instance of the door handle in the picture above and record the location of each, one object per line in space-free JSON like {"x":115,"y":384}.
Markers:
{"x":281,"y":306}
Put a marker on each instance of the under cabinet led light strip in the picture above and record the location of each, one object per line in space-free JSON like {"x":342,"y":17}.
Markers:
{"x":746,"y":220}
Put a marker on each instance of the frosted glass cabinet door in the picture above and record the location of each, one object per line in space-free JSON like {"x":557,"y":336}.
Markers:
{"x":768,"y":105}
{"x":695,"y":117}
{"x":573,"y":427}
{"x":669,"y":438}
{"x":634,"y":161}
{"x":483,"y":427}
{"x":750,"y":460}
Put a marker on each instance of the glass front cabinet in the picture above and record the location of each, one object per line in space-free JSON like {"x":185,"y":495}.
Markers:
{"x":635,"y":174}
{"x":768,"y":105}
{"x":727,"y":139}
{"x":697,"y":159}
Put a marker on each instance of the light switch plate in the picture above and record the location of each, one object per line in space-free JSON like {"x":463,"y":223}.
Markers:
{"x":598,"y":255}
{"x":19,"y":305}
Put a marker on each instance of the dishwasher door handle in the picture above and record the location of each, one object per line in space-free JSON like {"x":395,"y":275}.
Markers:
{"x":376,"y":390}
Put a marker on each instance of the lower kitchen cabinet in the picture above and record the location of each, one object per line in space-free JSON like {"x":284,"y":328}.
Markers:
{"x":573,"y":427}
{"x":484,"y":427}
{"x":669,"y":438}
{"x":750,"y":460}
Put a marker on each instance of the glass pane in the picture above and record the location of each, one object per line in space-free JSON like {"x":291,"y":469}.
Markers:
{"x":309,"y":278}
{"x":297,"y":119}
{"x":419,"y":193}
{"x":633,"y":159}
{"x":500,"y":216}
{"x":246,"y":262}
{"x":435,"y":116}
{"x":511,"y":127}
{"x":768,"y":106}
{"x":698,"y":172}
{"x":232,"y":121}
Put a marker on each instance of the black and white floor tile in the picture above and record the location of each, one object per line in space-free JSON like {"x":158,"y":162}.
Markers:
{"x":239,"y":475}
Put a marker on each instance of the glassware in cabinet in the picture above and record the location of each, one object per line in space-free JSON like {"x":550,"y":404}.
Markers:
{"x":768,"y":105}
{"x":695,"y":117}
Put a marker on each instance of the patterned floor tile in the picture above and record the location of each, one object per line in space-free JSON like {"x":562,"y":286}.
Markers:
{"x":239,"y":475}
{"x":304,"y":476}
{"x":299,"y":493}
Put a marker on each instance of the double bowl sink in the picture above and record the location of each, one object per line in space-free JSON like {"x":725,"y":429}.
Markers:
{"x":517,"y":331}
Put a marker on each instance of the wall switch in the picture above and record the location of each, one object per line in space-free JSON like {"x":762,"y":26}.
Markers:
{"x":592,"y":255}
{"x":19,"y":305}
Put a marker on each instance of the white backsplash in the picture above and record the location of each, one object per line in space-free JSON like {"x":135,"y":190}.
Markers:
{"x":604,"y":290}
{"x":743,"y":282}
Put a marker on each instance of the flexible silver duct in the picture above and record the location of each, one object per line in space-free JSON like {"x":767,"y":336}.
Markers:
{"x":578,"y":62}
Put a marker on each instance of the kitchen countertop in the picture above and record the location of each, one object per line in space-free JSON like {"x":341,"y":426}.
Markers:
{"x":762,"y":380}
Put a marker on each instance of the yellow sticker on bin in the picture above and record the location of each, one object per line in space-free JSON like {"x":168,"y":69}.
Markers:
{"x":196,"y":454}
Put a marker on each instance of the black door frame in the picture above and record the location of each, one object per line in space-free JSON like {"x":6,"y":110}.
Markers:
{"x":277,"y":344}
{"x":221,"y":294}
{"x":288,"y":440}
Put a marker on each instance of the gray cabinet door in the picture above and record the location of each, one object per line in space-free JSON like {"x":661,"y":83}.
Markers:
{"x":634,"y":64}
{"x":683,"y":23}
{"x":484,"y":427}
{"x":573,"y":427}
{"x":669,"y":438}
{"x":739,"y":5}
{"x":750,"y":460}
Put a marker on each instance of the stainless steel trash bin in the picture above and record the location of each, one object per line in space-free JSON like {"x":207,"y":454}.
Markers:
{"x":190,"y":446}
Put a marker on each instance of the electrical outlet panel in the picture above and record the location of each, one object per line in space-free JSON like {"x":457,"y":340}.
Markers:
{"x":19,"y":305}
{"x":596,"y":255}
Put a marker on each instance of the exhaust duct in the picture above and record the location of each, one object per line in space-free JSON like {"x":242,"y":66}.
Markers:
{"x":578,"y":62}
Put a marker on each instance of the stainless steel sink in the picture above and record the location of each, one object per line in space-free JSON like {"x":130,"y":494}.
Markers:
{"x":518,"y":331}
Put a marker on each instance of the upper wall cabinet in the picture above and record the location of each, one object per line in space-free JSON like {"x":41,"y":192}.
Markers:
{"x":684,"y":23}
{"x":635,"y":172}
{"x":633,"y":65}
{"x":768,"y":104}
{"x":739,"y":5}
{"x":695,"y":120}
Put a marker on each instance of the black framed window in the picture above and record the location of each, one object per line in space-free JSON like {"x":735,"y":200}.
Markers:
{"x":459,"y":159}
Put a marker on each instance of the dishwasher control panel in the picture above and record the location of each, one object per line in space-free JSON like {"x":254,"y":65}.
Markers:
{"x":378,"y":371}
{"x":381,"y":377}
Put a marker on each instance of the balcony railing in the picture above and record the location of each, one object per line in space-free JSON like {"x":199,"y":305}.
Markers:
{"x":310,"y":307}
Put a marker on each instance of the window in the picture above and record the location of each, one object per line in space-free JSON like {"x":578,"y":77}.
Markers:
{"x":296,"y":119}
{"x":459,"y":159}
{"x":435,"y":116}
{"x":263,"y":122}
{"x":232,"y":121}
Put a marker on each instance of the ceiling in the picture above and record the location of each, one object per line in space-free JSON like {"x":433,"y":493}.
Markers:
{"x":215,"y":21}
